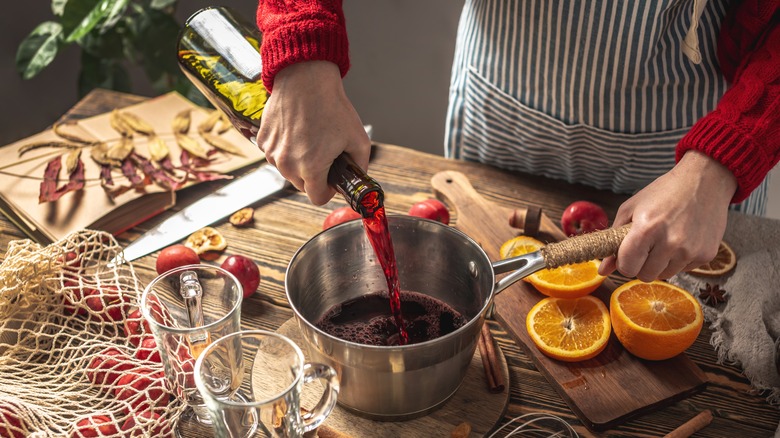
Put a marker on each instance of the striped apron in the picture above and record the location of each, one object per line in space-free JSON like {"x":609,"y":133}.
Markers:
{"x":597,"y":92}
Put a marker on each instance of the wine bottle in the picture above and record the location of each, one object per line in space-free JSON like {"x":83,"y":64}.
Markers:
{"x":220,"y":53}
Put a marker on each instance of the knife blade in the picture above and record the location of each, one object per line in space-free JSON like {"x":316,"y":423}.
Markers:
{"x":244,"y":190}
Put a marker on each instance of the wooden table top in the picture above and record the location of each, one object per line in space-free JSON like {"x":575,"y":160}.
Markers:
{"x":288,"y":220}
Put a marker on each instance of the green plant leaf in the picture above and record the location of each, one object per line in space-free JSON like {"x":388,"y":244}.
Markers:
{"x":58,"y":7}
{"x":162,"y":4}
{"x":114,"y":14}
{"x":81,"y":16}
{"x":97,"y":72}
{"x":153,"y":36}
{"x":39,"y":49}
{"x":106,"y":45}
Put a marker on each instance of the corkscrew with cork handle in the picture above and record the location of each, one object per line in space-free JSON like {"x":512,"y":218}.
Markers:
{"x":219,"y":52}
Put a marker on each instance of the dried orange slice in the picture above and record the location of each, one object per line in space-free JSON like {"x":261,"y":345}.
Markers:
{"x":655,"y":320}
{"x":569,"y":281}
{"x":570,"y":330}
{"x":723,"y":262}
{"x":518,"y":246}
{"x":206,"y":239}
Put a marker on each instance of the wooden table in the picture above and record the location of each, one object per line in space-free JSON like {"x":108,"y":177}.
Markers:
{"x":288,"y":220}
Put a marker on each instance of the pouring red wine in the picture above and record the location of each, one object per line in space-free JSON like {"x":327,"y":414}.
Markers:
{"x":232,"y":84}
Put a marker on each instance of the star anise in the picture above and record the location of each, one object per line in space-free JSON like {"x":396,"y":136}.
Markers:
{"x":712,"y":294}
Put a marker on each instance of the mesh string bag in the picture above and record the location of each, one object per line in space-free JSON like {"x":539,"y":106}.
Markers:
{"x":76,"y":359}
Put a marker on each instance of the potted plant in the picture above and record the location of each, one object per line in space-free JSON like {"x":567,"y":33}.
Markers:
{"x":113,"y":35}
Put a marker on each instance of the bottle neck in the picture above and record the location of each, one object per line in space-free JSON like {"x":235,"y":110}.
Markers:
{"x":362,"y":192}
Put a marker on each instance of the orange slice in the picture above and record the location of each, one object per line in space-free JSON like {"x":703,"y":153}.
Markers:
{"x":723,"y":262}
{"x":518,"y":246}
{"x":569,"y":330}
{"x":569,"y":281}
{"x":655,"y":320}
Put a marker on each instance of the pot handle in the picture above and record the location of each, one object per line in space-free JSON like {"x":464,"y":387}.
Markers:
{"x":589,"y":246}
{"x":577,"y":249}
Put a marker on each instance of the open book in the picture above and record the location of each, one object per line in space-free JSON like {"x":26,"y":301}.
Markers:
{"x":95,"y":206}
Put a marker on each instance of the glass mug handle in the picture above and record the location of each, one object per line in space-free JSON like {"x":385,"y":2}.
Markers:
{"x":317,"y":371}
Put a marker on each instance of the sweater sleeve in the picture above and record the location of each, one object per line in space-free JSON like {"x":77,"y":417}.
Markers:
{"x":743,"y":132}
{"x":301,"y":30}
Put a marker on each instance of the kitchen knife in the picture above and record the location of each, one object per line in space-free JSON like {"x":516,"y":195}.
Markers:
{"x":245,"y":190}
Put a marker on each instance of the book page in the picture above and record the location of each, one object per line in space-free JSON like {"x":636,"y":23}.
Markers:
{"x":21,"y":177}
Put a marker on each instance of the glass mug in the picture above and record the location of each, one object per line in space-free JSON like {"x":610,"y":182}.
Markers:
{"x":186,"y":308}
{"x":252,"y":383}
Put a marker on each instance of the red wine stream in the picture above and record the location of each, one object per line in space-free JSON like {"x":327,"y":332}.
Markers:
{"x":375,"y":223}
{"x":212,"y":66}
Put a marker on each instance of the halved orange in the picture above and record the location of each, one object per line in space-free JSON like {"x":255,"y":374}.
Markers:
{"x":519,"y":245}
{"x":655,"y":320}
{"x":568,"y":281}
{"x":723,"y":262}
{"x":570,"y":330}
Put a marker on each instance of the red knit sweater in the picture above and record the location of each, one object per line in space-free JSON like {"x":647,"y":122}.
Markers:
{"x":742,"y":133}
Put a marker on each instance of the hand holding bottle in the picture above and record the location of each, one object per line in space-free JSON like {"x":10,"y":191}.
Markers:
{"x":308,"y":121}
{"x":308,"y":129}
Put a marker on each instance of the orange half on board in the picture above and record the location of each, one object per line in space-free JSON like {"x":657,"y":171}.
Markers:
{"x":570,"y":330}
{"x":655,"y":320}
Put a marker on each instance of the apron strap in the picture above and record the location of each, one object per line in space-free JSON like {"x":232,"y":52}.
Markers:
{"x":690,"y":46}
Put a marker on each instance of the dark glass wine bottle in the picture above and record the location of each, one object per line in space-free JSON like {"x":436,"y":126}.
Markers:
{"x":220,"y":53}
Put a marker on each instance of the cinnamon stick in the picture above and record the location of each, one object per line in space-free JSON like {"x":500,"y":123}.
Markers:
{"x":325,"y":431}
{"x":692,"y":426}
{"x":490,"y":361}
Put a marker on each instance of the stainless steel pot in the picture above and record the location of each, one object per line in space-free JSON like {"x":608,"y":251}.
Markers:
{"x":398,"y":382}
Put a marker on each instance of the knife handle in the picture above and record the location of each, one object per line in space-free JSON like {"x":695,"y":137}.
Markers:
{"x":589,"y":246}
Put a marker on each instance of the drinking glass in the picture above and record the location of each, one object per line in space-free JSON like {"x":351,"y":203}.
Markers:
{"x":252,"y":383}
{"x":186,"y":308}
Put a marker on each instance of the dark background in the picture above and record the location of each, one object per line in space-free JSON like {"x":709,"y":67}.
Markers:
{"x":401,"y":54}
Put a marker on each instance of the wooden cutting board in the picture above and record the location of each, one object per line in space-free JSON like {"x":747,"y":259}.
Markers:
{"x":604,"y":391}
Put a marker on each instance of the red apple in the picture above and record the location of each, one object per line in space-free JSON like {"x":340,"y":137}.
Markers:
{"x":340,"y":215}
{"x":245,"y":270}
{"x":175,"y":256}
{"x":108,"y":366}
{"x":143,"y":389}
{"x":158,"y":311}
{"x":431,"y":209}
{"x":96,"y":425}
{"x":146,"y":423}
{"x":70,"y":282}
{"x":108,"y":303}
{"x":583,"y":217}
{"x":147,"y":350}
{"x":184,"y":368}
{"x":72,"y":296}
{"x":11,"y":425}
{"x":136,"y":327}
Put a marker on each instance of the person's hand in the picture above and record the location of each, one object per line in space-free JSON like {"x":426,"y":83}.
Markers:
{"x":308,"y":121}
{"x":677,"y":221}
